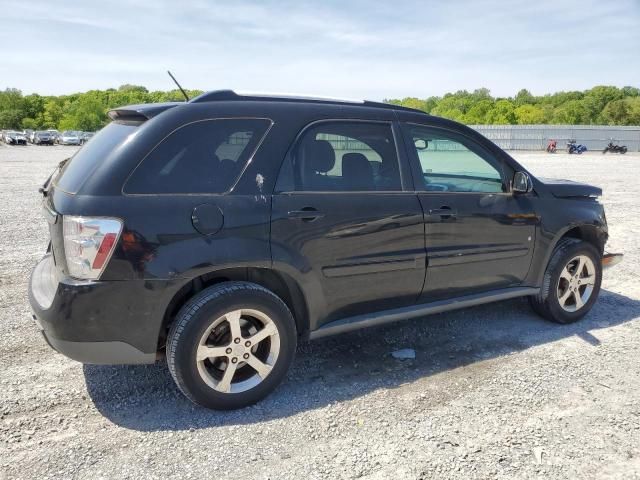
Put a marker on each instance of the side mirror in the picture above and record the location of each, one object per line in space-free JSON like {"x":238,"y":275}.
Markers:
{"x":522,"y":183}
{"x":421,"y":143}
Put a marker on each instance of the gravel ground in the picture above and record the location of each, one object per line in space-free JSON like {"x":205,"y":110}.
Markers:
{"x":494,"y":391}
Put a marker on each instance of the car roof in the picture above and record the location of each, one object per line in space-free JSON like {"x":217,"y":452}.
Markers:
{"x":231,"y":95}
{"x":147,"y":111}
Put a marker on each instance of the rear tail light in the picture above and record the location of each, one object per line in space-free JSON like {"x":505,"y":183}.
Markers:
{"x":89,"y":243}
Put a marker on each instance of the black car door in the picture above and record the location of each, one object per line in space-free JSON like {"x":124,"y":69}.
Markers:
{"x":346,"y":222}
{"x":479,"y":236}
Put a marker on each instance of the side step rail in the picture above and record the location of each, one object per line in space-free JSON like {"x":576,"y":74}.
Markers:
{"x":396,"y":314}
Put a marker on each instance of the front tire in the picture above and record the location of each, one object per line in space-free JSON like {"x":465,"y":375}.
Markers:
{"x":571,"y":282}
{"x":231,"y":345}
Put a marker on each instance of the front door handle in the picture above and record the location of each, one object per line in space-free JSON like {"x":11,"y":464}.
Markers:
{"x":444,"y":212}
{"x":306,"y":214}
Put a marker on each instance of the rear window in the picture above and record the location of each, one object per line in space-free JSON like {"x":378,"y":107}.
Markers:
{"x":85,"y":161}
{"x":202,"y":157}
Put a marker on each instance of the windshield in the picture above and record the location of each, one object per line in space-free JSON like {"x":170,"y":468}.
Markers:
{"x":86,"y":160}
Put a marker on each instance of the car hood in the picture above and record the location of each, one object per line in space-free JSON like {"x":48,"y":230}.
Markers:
{"x":569,"y":188}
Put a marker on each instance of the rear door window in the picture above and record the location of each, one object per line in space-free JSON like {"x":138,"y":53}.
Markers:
{"x":84,"y":162}
{"x":344,"y":156}
{"x":207,"y":156}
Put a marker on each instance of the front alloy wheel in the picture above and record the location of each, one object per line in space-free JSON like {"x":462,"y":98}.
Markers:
{"x":576,"y":283}
{"x":571,"y":282}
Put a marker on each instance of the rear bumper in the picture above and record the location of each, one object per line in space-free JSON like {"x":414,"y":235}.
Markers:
{"x":113,"y":322}
{"x":99,"y":353}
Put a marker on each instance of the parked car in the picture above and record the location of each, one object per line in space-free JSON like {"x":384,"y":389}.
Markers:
{"x":85,"y":137}
{"x":54,"y":133}
{"x":68,"y":137}
{"x":15,"y":138}
{"x":225,"y":230}
{"x":43,"y":138}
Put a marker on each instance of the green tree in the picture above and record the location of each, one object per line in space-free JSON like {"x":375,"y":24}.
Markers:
{"x":52,"y":114}
{"x":597,"y":98}
{"x":572,"y":112}
{"x":482,"y":94}
{"x":30,"y":123}
{"x":502,"y":113}
{"x":634,"y":110}
{"x":477,"y":114}
{"x":11,"y":108}
{"x":88,"y":114}
{"x":529,"y":114}
{"x":523,"y":97}
{"x":616,"y":112}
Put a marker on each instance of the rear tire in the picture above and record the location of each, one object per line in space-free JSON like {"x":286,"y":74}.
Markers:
{"x":231,"y":345}
{"x":571,"y":282}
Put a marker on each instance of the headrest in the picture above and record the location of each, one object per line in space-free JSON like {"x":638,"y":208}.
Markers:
{"x":320,"y":156}
{"x":355,"y":164}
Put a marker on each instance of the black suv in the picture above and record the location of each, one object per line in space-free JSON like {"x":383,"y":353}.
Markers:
{"x":226,"y":229}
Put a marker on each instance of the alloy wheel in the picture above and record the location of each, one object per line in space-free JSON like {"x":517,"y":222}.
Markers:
{"x":576,"y":283}
{"x":238,"y":350}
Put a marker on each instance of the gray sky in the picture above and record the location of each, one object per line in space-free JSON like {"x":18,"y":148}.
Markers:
{"x":350,"y":48}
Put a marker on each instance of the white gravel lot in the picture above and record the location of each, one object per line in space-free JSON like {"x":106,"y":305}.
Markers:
{"x":494,"y":391}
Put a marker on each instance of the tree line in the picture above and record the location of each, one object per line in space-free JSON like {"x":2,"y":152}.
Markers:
{"x":601,"y":105}
{"x":79,"y":111}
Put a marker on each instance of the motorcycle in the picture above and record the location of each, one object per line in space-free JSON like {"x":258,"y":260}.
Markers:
{"x":552,"y":146}
{"x":573,"y":147}
{"x":615,"y":148}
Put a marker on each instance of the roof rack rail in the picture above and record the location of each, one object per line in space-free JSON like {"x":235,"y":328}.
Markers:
{"x":230,"y":95}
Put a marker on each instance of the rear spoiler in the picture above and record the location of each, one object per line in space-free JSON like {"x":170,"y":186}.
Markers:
{"x":140,"y":113}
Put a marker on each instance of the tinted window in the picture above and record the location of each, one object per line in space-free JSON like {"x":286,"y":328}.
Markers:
{"x":346,"y":156}
{"x":85,"y":161}
{"x":453,"y":164}
{"x":201,"y":157}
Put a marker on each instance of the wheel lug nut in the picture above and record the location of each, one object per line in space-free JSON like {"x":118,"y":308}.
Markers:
{"x":228,"y":350}
{"x":247,"y":343}
{"x":234,"y":360}
{"x":236,"y":340}
{"x":245,"y":356}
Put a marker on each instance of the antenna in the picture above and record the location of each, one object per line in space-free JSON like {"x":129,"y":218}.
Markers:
{"x":180,"y":87}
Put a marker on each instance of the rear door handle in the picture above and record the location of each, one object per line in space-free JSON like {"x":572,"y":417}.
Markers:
{"x":307,"y":214}
{"x":444,"y":212}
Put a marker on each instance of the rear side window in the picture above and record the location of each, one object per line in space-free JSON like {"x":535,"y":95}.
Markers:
{"x":85,"y":161}
{"x":202,"y":157}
